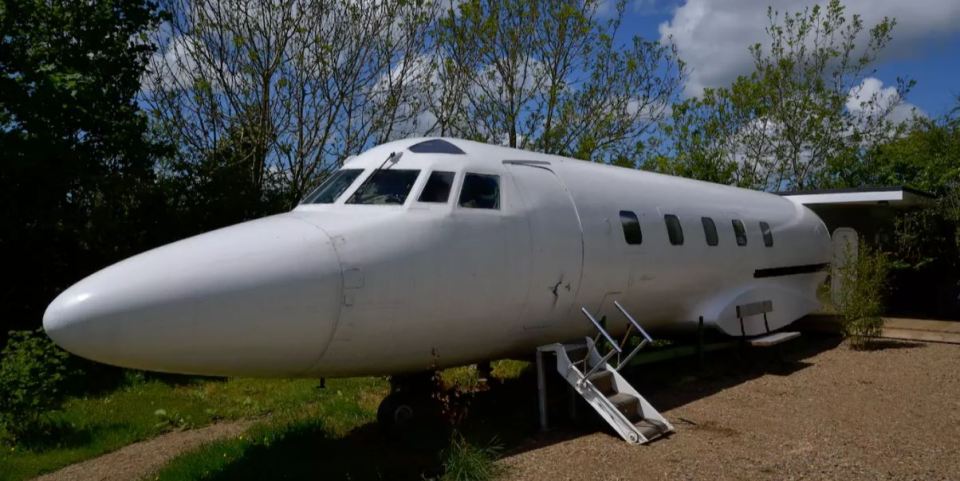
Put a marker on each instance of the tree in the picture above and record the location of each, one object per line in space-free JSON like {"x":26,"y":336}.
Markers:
{"x":302,"y":84}
{"x":800,"y":114}
{"x":76,"y":184}
{"x":549,"y":76}
{"x":925,"y":242}
{"x":218,"y":190}
{"x":926,"y":157}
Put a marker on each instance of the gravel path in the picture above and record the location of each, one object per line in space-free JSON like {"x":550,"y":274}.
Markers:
{"x":891,"y":413}
{"x":140,"y":459}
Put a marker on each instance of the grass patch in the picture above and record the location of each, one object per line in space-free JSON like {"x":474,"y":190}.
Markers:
{"x":337,"y":438}
{"x":88,"y":427}
{"x":464,"y":461}
{"x":467,"y":378}
{"x":299,"y":423}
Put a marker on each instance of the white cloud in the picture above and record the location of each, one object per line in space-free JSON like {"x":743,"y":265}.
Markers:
{"x":174,"y":67}
{"x":713,"y":36}
{"x":171,"y":67}
{"x":871,"y":98}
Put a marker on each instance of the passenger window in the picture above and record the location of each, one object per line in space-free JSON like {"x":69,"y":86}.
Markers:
{"x":438,"y":187}
{"x":710,"y":231}
{"x":480,"y":191}
{"x":740,"y":232}
{"x":331,"y":188}
{"x":631,"y":227}
{"x":767,"y":234}
{"x":385,"y":187}
{"x":674,"y":229}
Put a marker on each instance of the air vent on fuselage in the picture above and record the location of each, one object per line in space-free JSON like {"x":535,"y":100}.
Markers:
{"x":435,"y":146}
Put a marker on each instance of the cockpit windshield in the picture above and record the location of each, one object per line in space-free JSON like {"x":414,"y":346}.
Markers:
{"x":385,"y":187}
{"x":331,"y":188}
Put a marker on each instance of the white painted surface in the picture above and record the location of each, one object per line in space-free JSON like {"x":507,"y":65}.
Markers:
{"x":344,"y":289}
{"x":894,"y":197}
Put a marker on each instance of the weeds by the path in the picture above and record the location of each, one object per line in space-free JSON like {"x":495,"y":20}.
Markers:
{"x":88,"y":427}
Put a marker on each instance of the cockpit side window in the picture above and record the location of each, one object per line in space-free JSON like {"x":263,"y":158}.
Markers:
{"x":437,"y":188}
{"x":480,"y":191}
{"x":332,"y":187}
{"x":389,"y":187}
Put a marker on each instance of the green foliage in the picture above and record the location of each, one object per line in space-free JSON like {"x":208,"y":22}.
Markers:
{"x":551,"y":76}
{"x":926,"y":157}
{"x":77,"y":176}
{"x":464,"y":461}
{"x":221,"y":188}
{"x":33,"y":371}
{"x":788,"y":124}
{"x":863,"y":284}
{"x":927,"y":238}
{"x":295,"y":87}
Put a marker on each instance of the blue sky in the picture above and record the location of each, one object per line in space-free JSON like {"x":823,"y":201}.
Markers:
{"x":713,"y":36}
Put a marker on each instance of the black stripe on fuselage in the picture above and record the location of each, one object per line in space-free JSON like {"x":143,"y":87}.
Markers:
{"x":790,"y":270}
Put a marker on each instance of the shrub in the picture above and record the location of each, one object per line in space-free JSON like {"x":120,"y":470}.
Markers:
{"x":466,"y":462}
{"x":863,"y":283}
{"x":33,"y":371}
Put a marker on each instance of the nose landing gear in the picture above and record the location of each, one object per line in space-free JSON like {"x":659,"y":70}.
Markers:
{"x":412,"y":402}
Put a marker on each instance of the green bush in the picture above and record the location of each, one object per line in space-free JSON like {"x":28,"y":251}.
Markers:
{"x":863,"y":283}
{"x":466,"y":462}
{"x":33,"y":371}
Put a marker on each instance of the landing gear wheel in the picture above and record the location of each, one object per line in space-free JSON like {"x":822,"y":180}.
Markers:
{"x":397,"y":412}
{"x":412,"y":405}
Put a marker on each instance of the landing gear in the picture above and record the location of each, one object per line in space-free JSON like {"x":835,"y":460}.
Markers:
{"x":397,"y":412}
{"x":412,"y":402}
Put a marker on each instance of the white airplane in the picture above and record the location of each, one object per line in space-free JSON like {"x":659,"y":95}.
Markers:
{"x":428,"y":253}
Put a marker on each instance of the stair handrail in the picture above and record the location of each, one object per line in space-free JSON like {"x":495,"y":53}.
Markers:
{"x":615,"y":349}
{"x":646,"y":337}
{"x":633,"y":321}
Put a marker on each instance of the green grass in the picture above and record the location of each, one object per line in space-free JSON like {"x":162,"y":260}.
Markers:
{"x":88,"y":427}
{"x":464,"y":461}
{"x":337,"y":438}
{"x":297,"y":420}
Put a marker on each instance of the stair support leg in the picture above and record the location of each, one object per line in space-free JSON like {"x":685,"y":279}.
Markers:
{"x":542,"y":391}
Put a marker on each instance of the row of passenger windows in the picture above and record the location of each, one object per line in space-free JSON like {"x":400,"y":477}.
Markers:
{"x":633,"y":234}
{"x":480,"y":191}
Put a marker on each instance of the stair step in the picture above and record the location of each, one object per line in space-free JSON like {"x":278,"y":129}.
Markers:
{"x":576,"y":352}
{"x":649,"y":429}
{"x":604,"y":382}
{"x":628,"y":405}
{"x":604,"y":389}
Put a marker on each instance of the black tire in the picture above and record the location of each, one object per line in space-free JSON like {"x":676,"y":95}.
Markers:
{"x":397,"y":412}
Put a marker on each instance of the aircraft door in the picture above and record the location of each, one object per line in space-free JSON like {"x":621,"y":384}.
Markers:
{"x":556,"y":247}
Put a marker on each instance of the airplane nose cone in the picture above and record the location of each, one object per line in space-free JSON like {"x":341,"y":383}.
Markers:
{"x":258,"y":298}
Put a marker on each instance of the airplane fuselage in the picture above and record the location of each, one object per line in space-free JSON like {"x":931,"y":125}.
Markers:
{"x":418,"y":257}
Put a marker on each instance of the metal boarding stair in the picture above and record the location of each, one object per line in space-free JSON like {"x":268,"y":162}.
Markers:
{"x":600,"y":384}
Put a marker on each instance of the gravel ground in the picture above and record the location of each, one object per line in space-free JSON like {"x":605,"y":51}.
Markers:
{"x":140,"y":459}
{"x":833,"y":414}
